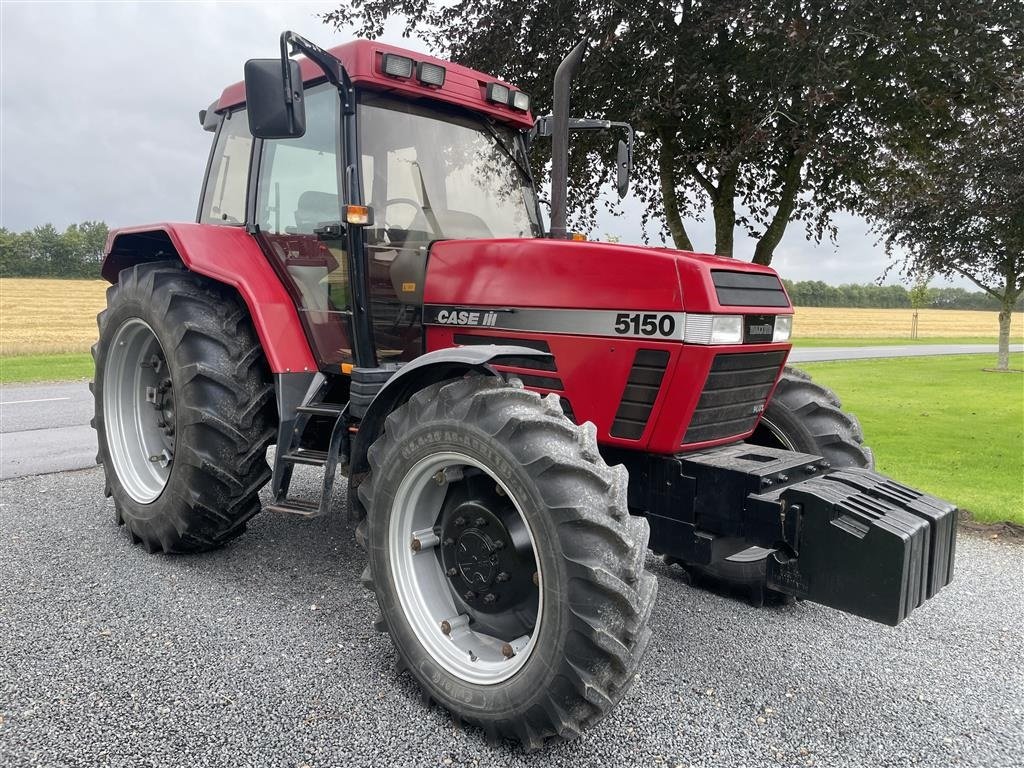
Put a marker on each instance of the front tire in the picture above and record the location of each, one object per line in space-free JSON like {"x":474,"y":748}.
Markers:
{"x":184,"y":408}
{"x":494,"y":462}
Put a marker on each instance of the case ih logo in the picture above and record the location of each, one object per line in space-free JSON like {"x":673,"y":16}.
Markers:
{"x":466,"y":317}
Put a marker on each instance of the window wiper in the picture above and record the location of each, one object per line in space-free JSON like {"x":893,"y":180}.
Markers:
{"x":523,"y":167}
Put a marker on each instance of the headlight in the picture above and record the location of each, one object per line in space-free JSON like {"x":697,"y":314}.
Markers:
{"x":783,"y":328}
{"x":727,"y":329}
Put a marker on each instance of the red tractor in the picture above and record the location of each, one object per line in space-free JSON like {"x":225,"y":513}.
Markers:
{"x":520,"y":416}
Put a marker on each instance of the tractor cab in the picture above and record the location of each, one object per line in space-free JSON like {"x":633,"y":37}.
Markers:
{"x":390,"y":154}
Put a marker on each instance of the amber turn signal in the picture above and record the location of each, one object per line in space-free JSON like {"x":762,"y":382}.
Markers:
{"x":359,"y":215}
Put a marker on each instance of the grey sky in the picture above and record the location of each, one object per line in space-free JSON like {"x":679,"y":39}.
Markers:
{"x":99,"y":118}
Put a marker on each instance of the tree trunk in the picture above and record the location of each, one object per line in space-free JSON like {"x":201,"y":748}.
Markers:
{"x":669,"y":197}
{"x":787,"y":202}
{"x":1005,"y":315}
{"x":724,"y":210}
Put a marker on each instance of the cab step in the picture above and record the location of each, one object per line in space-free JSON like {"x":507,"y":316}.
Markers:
{"x":292,"y":452}
{"x":308,"y":456}
{"x":298,"y":507}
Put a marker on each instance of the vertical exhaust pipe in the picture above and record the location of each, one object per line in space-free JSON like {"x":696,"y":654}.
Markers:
{"x":560,"y":138}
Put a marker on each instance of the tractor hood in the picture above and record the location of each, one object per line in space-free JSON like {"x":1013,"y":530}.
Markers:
{"x":567,"y":274}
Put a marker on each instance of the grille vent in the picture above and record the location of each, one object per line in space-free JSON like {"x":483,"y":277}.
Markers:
{"x":641,"y":391}
{"x":734,"y":395}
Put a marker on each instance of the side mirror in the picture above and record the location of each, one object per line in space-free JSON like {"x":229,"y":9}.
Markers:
{"x":276,"y":108}
{"x":623,"y":165}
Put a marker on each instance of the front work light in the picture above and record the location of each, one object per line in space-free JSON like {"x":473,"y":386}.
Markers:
{"x":520,"y":101}
{"x":397,"y":66}
{"x":498,"y":93}
{"x":430,"y":74}
{"x":783,"y":328}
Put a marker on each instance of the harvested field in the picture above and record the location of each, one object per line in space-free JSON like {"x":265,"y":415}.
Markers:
{"x":40,"y":316}
{"x":47,"y":316}
{"x":895,"y":323}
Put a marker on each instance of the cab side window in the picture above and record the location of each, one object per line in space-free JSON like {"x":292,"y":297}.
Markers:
{"x":224,"y":197}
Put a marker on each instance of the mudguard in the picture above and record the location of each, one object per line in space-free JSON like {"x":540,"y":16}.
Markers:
{"x":230,"y":256}
{"x":422,"y":372}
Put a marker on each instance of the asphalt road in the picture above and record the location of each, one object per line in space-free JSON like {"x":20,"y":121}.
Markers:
{"x":815,"y":354}
{"x":262,"y":654}
{"x":45,"y":427}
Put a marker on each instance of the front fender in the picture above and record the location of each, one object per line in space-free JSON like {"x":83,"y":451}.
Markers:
{"x":231,"y":256}
{"x":425,"y":370}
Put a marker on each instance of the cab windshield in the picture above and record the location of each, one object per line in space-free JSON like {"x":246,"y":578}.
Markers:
{"x":433,"y":174}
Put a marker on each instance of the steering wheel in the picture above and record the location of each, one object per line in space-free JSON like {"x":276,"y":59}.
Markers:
{"x":418,"y":209}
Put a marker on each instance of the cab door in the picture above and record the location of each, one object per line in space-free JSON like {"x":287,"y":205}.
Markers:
{"x":298,"y":223}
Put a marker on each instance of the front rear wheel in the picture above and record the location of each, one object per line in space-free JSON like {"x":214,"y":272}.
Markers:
{"x":184,"y":408}
{"x":508,"y":571}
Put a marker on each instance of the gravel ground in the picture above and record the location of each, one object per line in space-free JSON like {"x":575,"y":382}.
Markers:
{"x":263,"y":654}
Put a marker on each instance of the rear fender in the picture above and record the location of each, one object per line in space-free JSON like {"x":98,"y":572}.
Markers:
{"x":230,"y":256}
{"x":425,"y":370}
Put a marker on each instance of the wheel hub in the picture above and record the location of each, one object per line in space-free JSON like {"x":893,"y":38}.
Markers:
{"x":479,"y":551}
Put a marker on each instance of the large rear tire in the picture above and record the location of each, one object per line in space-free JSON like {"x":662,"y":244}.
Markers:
{"x":184,"y":408}
{"x":536,"y":628}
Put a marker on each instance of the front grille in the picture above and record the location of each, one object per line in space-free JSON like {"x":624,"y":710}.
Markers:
{"x":641,"y":391}
{"x":734,"y":395}
{"x":748,"y":289}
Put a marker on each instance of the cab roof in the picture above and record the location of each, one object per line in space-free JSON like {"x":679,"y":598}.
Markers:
{"x":363,"y":60}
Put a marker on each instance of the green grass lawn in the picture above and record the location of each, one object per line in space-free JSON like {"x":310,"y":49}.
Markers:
{"x":842,"y":341}
{"x":26,"y":368}
{"x":942,"y":425}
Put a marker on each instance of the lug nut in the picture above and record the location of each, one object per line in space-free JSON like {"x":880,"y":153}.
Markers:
{"x":499,"y":544}
{"x":766,"y":482}
{"x":448,"y":541}
{"x":489,"y":598}
{"x":503,"y":576}
{"x":810,"y":469}
{"x":508,"y":651}
{"x":452,"y":572}
{"x":460,"y":521}
{"x":416,"y":545}
{"x":446,"y":628}
{"x":536,"y":579}
{"x":470,"y":595}
{"x":499,"y":490}
{"x":825,"y":464}
{"x":782,"y":478}
{"x":480,"y":522}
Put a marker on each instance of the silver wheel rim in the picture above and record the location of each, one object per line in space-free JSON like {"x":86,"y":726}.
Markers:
{"x":138,"y":415}
{"x":423,"y":591}
{"x":778,"y":434}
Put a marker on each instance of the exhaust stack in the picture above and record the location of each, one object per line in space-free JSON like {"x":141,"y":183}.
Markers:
{"x":560,"y":138}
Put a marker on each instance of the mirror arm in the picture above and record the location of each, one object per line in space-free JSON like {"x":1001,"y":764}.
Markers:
{"x":331,"y":66}
{"x":544,"y":125}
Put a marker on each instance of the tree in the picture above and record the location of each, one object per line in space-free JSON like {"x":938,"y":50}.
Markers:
{"x":764,"y":111}
{"x":956,"y":206}
{"x":43,"y":251}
